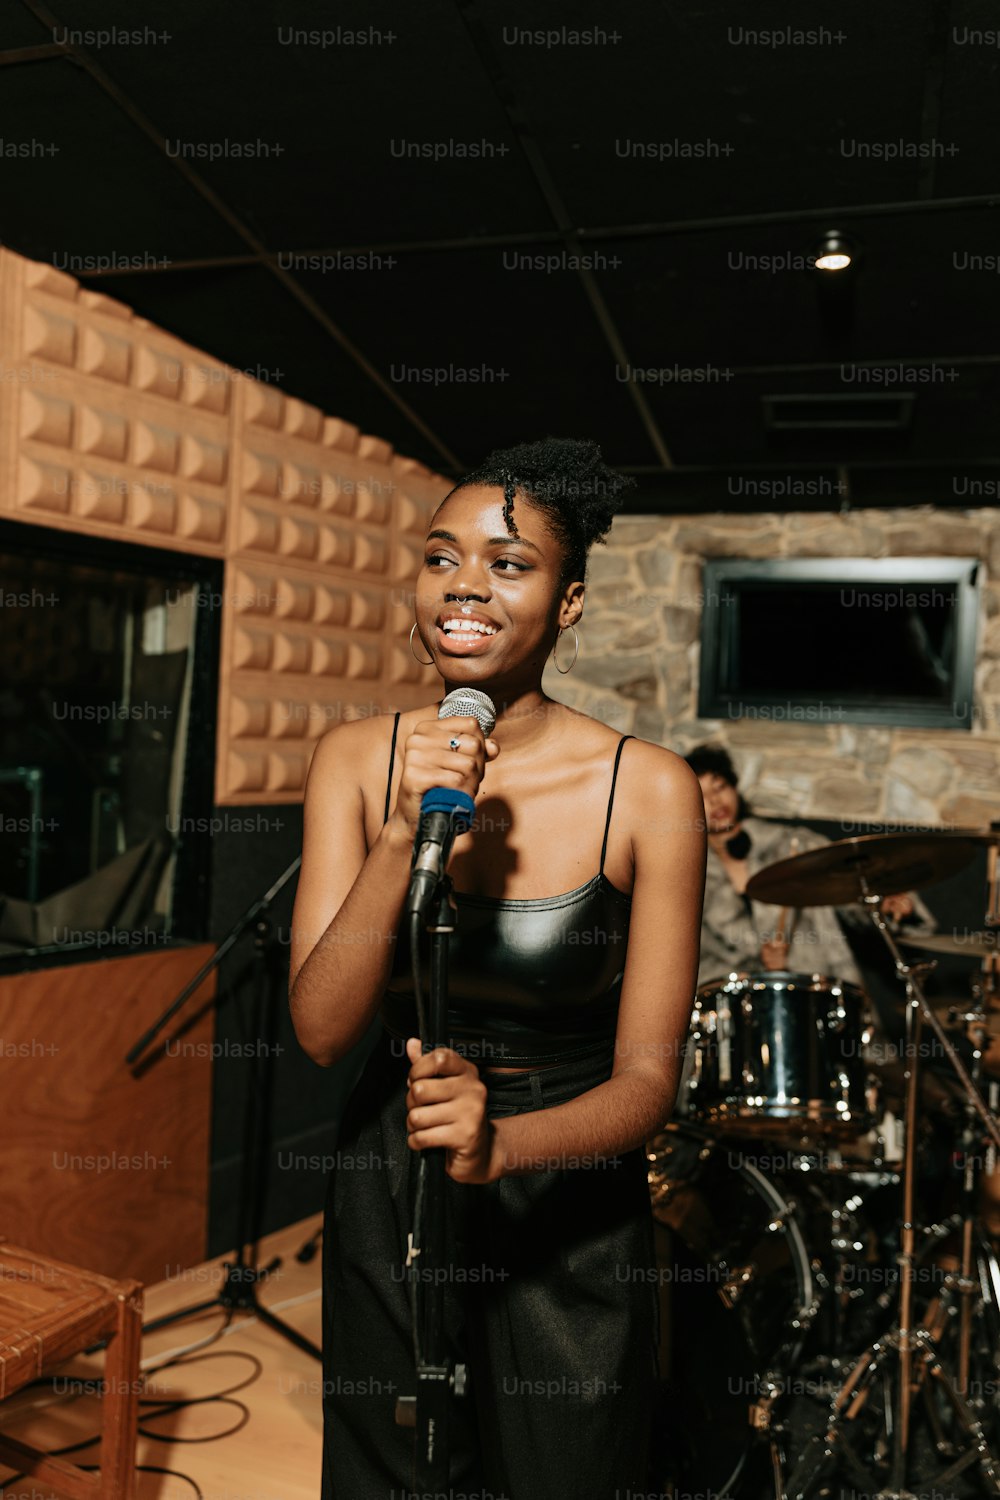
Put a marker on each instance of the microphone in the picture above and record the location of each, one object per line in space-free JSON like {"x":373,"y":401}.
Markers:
{"x":444,"y":811}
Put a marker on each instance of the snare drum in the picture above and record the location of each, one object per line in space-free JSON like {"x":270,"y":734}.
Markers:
{"x":777,"y":1053}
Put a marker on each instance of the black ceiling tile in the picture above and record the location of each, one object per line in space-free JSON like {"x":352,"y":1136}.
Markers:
{"x":491,"y":351}
{"x":970,"y":113}
{"x":957,"y":485}
{"x":747,"y":296}
{"x":683,"y":117}
{"x":315,"y":143}
{"x":951,"y":417}
{"x":19,"y":28}
{"x":91,"y":185}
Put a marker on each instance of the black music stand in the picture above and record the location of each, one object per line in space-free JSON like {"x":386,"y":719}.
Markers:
{"x":243,"y":1274}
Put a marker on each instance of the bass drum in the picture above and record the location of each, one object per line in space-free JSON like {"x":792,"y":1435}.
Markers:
{"x":736,"y":1301}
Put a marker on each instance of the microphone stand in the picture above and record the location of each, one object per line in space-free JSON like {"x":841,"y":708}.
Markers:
{"x":431,"y":1243}
{"x":431,"y":1251}
{"x":243,"y":1274}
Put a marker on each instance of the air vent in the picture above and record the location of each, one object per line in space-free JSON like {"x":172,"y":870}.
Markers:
{"x":882,"y":412}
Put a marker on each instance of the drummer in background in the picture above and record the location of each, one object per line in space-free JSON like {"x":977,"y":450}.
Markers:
{"x":740,"y":934}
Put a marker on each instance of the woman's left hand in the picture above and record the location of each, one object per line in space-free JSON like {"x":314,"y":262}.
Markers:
{"x":446,"y":1106}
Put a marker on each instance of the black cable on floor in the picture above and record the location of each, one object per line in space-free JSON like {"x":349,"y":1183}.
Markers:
{"x":165,"y":1407}
{"x":139,"y":1469}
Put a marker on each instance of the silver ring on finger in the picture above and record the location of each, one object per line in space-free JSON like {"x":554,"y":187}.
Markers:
{"x":454,"y":743}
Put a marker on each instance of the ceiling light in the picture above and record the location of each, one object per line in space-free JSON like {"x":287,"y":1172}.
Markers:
{"x":835,"y":252}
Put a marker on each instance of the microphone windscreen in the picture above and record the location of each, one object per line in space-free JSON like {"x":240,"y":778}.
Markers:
{"x":470,"y":702}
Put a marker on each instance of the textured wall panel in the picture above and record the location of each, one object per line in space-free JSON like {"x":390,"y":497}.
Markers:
{"x":318,"y":567}
{"x":111,"y":427}
{"x":118,"y":421}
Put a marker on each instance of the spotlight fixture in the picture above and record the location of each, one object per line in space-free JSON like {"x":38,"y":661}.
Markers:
{"x":835,"y":252}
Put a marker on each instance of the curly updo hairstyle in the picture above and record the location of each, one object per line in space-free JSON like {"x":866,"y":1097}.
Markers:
{"x":567,"y":479}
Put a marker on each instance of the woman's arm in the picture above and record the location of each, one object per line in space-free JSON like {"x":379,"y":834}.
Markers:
{"x":348,"y":902}
{"x":665,"y":809}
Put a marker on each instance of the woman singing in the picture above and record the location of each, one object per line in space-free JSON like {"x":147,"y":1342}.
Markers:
{"x":571,"y":973}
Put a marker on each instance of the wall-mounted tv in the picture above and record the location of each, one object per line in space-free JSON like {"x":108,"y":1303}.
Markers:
{"x":840,"y":640}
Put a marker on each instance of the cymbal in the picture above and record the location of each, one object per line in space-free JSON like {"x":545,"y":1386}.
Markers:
{"x":875,"y":864}
{"x":969,"y":944}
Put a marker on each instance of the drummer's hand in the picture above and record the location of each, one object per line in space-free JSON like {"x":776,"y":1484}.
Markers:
{"x":774,"y":955}
{"x":446,"y":1106}
{"x":898,"y":906}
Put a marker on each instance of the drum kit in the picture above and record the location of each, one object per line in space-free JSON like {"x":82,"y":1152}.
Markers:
{"x":833,"y":1306}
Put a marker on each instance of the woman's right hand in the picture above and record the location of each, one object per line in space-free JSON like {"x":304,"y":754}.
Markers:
{"x":429,"y":761}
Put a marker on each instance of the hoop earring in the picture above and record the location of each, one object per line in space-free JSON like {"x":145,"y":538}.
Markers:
{"x":576,"y":652}
{"x":416,"y":658}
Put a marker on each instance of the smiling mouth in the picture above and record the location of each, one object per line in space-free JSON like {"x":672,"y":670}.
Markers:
{"x":468,"y":636}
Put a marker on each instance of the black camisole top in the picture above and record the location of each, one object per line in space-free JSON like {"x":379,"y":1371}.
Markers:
{"x":529,"y":981}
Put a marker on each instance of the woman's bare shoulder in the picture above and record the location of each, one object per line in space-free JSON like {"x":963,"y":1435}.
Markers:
{"x":658,"y":783}
{"x":646,"y":771}
{"x":592,"y":737}
{"x":658,"y":761}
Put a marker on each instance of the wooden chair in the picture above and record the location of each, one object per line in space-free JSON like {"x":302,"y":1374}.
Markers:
{"x":50,"y":1311}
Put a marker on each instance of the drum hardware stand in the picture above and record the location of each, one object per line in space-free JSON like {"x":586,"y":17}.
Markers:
{"x":822,"y":1450}
{"x":902,"y":1343}
{"x":918,"y":1010}
{"x":761,"y":1420}
{"x":963,"y":1281}
{"x":842,"y":1245}
{"x":772,"y":1387}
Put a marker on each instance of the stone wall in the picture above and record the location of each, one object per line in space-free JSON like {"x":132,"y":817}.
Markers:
{"x":638,"y":666}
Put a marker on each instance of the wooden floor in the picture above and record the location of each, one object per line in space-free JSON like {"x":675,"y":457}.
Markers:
{"x":274,"y":1456}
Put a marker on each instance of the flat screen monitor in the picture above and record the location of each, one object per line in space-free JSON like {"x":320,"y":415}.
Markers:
{"x":108,"y":677}
{"x":848,"y":640}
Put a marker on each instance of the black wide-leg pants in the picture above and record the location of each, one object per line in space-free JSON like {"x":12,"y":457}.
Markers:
{"x":552,"y":1306}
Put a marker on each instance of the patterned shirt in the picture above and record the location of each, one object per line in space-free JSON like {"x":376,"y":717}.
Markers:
{"x":733,"y":927}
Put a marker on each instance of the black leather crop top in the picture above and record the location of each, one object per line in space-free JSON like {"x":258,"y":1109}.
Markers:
{"x":529,"y":981}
